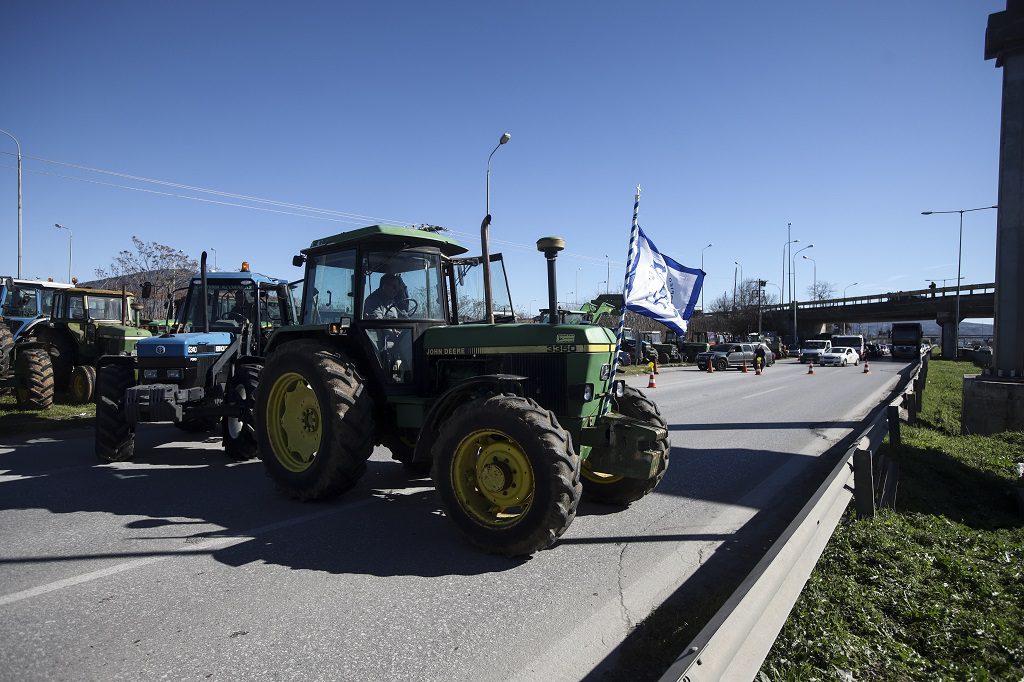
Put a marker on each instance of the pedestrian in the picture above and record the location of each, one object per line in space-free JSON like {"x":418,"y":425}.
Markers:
{"x":759,"y":356}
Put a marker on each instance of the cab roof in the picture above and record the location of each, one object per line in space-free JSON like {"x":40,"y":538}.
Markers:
{"x":254,"y":276}
{"x":97,"y":292}
{"x":42,"y":283}
{"x":393,"y":236}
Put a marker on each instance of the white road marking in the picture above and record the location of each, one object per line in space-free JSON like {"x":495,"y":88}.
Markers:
{"x":754,"y":395}
{"x":213,"y":543}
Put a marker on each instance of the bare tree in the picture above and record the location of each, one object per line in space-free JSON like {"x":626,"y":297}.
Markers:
{"x":164,"y":266}
{"x":821,"y":290}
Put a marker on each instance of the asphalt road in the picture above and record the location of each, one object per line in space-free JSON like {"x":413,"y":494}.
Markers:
{"x":180,"y":565}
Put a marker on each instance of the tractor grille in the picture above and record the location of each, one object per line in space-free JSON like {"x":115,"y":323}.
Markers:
{"x":547,"y":372}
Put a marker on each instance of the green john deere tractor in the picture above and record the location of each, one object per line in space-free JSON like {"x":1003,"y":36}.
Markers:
{"x":61,"y":353}
{"x":404,"y":342}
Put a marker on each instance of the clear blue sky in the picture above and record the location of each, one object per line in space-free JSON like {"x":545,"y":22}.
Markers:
{"x":845,"y":119}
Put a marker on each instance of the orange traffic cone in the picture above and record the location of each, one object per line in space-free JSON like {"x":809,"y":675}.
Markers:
{"x":744,"y":365}
{"x":651,"y":383}
{"x":810,"y":367}
{"x":655,"y":365}
{"x":866,"y":370}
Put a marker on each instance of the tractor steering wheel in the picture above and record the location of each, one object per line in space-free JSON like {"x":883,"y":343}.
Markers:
{"x":411,"y":305}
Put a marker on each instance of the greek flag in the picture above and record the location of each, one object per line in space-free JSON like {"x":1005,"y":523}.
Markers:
{"x":660,"y":288}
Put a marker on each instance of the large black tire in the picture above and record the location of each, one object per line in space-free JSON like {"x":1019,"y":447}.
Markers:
{"x":82,"y":386}
{"x":507,"y":474}
{"x":663,"y":358}
{"x":6,"y":346}
{"x":115,"y":437}
{"x":619,"y":490}
{"x":239,"y":435}
{"x":314,"y":421}
{"x":721,"y":364}
{"x":33,"y":379}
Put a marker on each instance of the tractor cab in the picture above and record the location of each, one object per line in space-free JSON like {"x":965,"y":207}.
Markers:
{"x":24,"y":303}
{"x":382,"y":287}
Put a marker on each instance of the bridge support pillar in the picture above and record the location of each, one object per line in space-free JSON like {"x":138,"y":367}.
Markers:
{"x":994,"y":401}
{"x":947,"y":323}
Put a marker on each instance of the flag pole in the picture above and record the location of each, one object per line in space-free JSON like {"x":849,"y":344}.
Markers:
{"x":634,"y":234}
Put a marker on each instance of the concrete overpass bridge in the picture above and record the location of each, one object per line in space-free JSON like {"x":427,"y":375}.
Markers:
{"x":939,"y":304}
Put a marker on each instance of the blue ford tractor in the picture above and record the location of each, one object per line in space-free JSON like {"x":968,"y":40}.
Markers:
{"x":24,"y":303}
{"x":203,"y":370}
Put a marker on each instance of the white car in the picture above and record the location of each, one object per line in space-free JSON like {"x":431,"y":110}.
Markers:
{"x":840,"y":356}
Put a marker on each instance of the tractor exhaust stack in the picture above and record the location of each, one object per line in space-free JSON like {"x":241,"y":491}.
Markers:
{"x":206,"y":298}
{"x":550,"y":246}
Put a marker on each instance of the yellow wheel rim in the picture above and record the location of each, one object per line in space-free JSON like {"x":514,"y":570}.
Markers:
{"x":596,"y":476}
{"x":492,"y":478}
{"x":294,"y":422}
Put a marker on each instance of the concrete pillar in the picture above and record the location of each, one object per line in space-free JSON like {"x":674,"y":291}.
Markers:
{"x":948,"y":327}
{"x":994,"y":402}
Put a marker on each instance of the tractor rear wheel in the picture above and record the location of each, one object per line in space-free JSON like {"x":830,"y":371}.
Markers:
{"x":314,"y":418}
{"x":507,"y":474}
{"x":6,"y":346}
{"x":239,"y":432}
{"x":82,"y":384}
{"x":619,"y":490}
{"x":33,"y":379}
{"x":663,"y":358}
{"x":115,"y":437}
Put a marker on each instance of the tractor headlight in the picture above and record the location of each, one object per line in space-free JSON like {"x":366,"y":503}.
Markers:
{"x":606,"y":371}
{"x":620,"y":388}
{"x":174,"y":374}
{"x":149,"y":374}
{"x":588,"y":393}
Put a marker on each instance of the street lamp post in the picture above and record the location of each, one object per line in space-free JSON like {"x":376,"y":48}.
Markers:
{"x":792,"y":286}
{"x":702,"y":270}
{"x":485,"y":255}
{"x":737,"y":264}
{"x":608,"y":274}
{"x":19,"y":196}
{"x":70,"y":247}
{"x":959,"y":253}
{"x":214,"y":258}
{"x":814,"y":287}
{"x":844,"y":297}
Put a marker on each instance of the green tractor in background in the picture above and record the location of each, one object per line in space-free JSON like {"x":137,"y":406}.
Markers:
{"x":399,"y":344}
{"x":61,"y":353}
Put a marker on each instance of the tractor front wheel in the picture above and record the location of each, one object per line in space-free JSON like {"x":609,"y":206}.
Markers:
{"x":619,"y":490}
{"x":33,"y":379}
{"x":115,"y":437}
{"x":239,"y":433}
{"x":82,"y":384}
{"x":314,"y":418}
{"x":6,"y":346}
{"x":507,"y":474}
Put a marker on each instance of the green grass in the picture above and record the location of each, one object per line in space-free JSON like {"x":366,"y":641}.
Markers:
{"x":934,"y":589}
{"x":60,"y":416}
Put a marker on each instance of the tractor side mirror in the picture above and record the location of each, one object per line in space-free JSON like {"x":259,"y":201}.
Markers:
{"x":147,"y":289}
{"x":298,"y":260}
{"x":8,"y":282}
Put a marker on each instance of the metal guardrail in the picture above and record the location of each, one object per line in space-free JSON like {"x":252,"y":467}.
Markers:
{"x":734,"y":644}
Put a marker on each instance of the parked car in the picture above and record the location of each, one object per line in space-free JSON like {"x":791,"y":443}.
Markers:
{"x":725,"y":355}
{"x":839,"y":356}
{"x":811,"y":350}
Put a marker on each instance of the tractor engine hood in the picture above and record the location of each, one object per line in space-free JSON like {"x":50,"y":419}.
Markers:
{"x":482,"y":339}
{"x":121,"y":332}
{"x":184,"y":345}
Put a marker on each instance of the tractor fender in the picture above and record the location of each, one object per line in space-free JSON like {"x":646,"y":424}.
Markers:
{"x":457,"y":395}
{"x":36,"y":343}
{"x":125,"y":360}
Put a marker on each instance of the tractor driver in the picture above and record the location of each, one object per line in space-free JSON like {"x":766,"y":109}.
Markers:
{"x":391,"y":299}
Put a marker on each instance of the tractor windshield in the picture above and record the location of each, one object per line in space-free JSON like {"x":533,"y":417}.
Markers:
{"x":403,"y":284}
{"x":25,"y":302}
{"x":229,"y":302}
{"x":469,"y":285}
{"x":103,"y":308}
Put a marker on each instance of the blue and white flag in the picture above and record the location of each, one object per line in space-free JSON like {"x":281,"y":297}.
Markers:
{"x":660,"y":288}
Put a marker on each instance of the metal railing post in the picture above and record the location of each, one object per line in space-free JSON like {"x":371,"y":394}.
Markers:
{"x":863,"y":481}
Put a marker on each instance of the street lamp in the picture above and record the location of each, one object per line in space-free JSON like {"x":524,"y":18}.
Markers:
{"x":484,"y":250}
{"x":214,"y":258}
{"x":608,"y":273}
{"x":737,"y":264}
{"x":792,"y":287}
{"x":844,"y":297}
{"x":70,"y":242}
{"x":19,"y":196}
{"x":814,"y":288}
{"x":785,"y":246}
{"x":959,"y":253}
{"x":702,"y":270}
